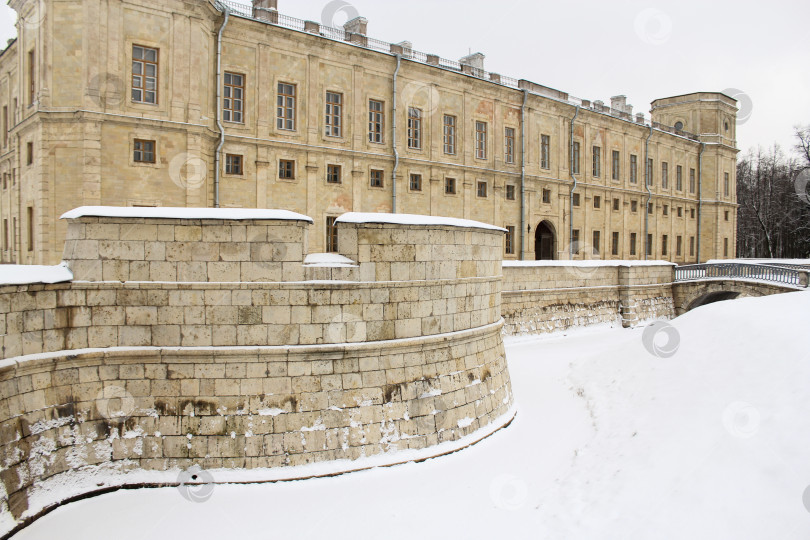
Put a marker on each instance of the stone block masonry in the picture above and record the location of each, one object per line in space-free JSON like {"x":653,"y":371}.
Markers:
{"x":196,"y":340}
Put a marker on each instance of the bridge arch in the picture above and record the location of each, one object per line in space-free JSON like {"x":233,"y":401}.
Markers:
{"x":712,"y":297}
{"x":688,"y":295}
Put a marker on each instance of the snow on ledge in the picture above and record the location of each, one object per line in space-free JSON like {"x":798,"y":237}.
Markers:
{"x":168,"y":212}
{"x":330,"y":260}
{"x":22,"y":274}
{"x":583,"y":263}
{"x":413,"y":219}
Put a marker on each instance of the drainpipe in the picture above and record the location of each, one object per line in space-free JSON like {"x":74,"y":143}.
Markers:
{"x":523,"y":174}
{"x":700,"y":197}
{"x":647,"y":174}
{"x":573,"y":187}
{"x":394,"y":141}
{"x":219,"y":104}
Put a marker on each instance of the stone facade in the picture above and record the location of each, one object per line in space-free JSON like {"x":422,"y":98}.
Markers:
{"x":105,"y":381}
{"x":72,"y":125}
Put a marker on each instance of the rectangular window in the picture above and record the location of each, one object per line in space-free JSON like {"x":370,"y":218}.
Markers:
{"x":650,"y":208}
{"x":481,"y":140}
{"x":482,"y":189}
{"x":633,"y":169}
{"x":634,"y":206}
{"x":334,"y":114}
{"x":333,"y":174}
{"x":691,"y":180}
{"x":416,"y":182}
{"x":233,"y":164}
{"x":666,"y":210}
{"x":450,"y":186}
{"x":545,"y":151}
{"x":632,"y":243}
{"x":510,"y":239}
{"x":30,"y":215}
{"x":649,"y":172}
{"x":615,"y":165}
{"x":692,"y":213}
{"x":5,"y":126}
{"x":144,"y":74}
{"x":616,"y":204}
{"x":5,"y":235}
{"x":597,"y":162}
{"x":679,"y":178}
{"x":725,"y":247}
{"x":144,"y":151}
{"x":509,"y":150}
{"x":678,"y":245}
{"x":575,"y":158}
{"x":414,"y":128}
{"x":376,"y":119}
{"x":29,"y":153}
{"x":691,"y":245}
{"x":726,"y":185}
{"x":32,"y":78}
{"x":547,"y":196}
{"x":233,"y":99}
{"x":576,"y":199}
{"x":726,"y":215}
{"x":664,"y":239}
{"x":614,"y":248}
{"x":596,"y":242}
{"x":597,"y":201}
{"x":649,"y":245}
{"x":331,"y":235}
{"x":575,"y":241}
{"x":510,"y":193}
{"x":285,"y":106}
{"x":449,"y":134}
{"x":680,"y":211}
{"x":376,"y":178}
{"x":286,"y":169}
{"x":14,"y":234}
{"x":665,"y":175}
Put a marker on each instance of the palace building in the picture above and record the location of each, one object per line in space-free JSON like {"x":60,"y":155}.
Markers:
{"x":217,"y":104}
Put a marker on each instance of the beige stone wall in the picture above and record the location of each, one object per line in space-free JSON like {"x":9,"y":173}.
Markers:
{"x":244,"y":365}
{"x":539,"y":299}
{"x":83,"y":151}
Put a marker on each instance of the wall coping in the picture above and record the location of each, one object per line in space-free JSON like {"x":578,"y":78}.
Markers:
{"x":585,"y":263}
{"x":22,"y":274}
{"x":413,"y":219}
{"x":168,"y":212}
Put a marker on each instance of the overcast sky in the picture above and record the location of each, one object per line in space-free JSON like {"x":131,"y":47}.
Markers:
{"x":594,"y":49}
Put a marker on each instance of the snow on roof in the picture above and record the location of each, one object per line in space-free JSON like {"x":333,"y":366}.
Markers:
{"x":328,"y":260}
{"x":168,"y":212}
{"x":413,"y":219}
{"x":21,"y":274}
{"x":589,"y":263}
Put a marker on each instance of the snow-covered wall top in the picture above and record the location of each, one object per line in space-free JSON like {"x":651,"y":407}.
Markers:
{"x":584,"y":264}
{"x":167,"y":212}
{"x":18,"y":274}
{"x":802,"y":262}
{"x":413,"y":219}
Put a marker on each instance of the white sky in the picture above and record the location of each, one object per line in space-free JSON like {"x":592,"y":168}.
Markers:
{"x":595,"y":49}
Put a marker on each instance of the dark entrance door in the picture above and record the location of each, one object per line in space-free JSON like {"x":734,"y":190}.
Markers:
{"x":544,"y":242}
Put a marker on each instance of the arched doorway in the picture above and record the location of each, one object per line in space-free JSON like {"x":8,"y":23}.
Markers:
{"x":545,"y":242}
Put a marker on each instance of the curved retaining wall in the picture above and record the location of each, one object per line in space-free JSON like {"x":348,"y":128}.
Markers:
{"x":106,"y":381}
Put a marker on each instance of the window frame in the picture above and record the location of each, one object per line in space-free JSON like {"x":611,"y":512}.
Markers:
{"x":450,"y":182}
{"x":290,"y":170}
{"x":376,"y":172}
{"x":575,"y":157}
{"x":415,"y":128}
{"x":143,"y":88}
{"x":481,"y":139}
{"x":334,"y":174}
{"x":331,"y":243}
{"x":286,"y":112}
{"x":633,"y":169}
{"x":136,"y":150}
{"x":481,"y":189}
{"x":597,"y":161}
{"x":333,"y":115}
{"x":376,"y":121}
{"x":509,"y":145}
{"x":509,"y":244}
{"x":510,"y":192}
{"x":234,"y":159}
{"x":546,"y":195}
{"x":415,"y":182}
{"x":228,"y":112}
{"x":449,"y":133}
{"x":616,"y":165}
{"x":545,"y":151}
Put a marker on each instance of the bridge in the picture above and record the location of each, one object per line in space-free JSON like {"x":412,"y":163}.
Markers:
{"x":700,"y":284}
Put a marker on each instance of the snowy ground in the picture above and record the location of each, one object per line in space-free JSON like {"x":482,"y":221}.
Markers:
{"x":610,"y":442}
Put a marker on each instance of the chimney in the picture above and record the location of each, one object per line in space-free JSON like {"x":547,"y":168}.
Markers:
{"x":599,"y":105}
{"x":475,"y":61}
{"x":405,"y":48}
{"x":266,"y":10}
{"x":358,"y":25}
{"x":618,"y":103}
{"x":640,"y":118}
